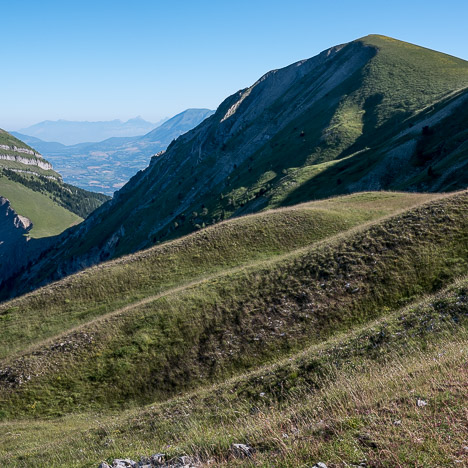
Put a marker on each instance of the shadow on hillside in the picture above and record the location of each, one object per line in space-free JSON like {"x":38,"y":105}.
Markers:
{"x":349,"y":169}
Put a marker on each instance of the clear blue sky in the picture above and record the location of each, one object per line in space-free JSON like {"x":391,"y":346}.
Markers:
{"x":100,"y":59}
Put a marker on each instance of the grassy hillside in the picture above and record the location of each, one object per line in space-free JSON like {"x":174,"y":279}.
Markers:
{"x":330,"y":331}
{"x":27,"y":169}
{"x":350,"y":399}
{"x":80,"y":344}
{"x":48,"y":218}
{"x":308,"y":333}
{"x":216,"y":250}
{"x":74,"y":199}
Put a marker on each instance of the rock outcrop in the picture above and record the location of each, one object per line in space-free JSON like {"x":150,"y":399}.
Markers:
{"x":37,"y":160}
{"x":13,"y":240}
{"x":16,"y":248}
{"x":158,"y":460}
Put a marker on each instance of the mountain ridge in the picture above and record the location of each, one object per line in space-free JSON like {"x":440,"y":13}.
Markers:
{"x":71,"y":132}
{"x":310,"y":130}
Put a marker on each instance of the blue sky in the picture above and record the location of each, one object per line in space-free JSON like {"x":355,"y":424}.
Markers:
{"x":100,"y":60}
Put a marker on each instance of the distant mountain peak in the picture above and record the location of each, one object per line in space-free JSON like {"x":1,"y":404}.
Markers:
{"x":138,"y":118}
{"x":69,"y":132}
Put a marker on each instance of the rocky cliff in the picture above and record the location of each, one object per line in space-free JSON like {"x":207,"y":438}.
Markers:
{"x":16,"y":248}
{"x":19,"y":157}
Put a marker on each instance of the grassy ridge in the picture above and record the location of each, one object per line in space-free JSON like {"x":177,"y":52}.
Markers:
{"x":104,"y":288}
{"x":349,"y":399}
{"x":225,"y":325}
{"x":407,"y":78}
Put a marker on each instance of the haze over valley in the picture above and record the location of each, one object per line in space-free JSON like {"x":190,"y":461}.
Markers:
{"x":105,"y":166}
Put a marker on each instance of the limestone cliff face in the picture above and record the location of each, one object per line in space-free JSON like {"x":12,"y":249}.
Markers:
{"x":13,"y":240}
{"x":20,"y":150}
{"x":14,"y":150}
{"x":36,"y":161}
{"x":16,"y":248}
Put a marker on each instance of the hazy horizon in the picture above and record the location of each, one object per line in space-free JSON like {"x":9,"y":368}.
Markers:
{"x":101,"y":61}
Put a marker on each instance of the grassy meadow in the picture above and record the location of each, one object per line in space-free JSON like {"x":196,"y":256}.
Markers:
{"x":48,"y":218}
{"x":350,"y":399}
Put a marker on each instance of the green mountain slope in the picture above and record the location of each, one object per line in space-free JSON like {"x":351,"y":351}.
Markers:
{"x":372,"y":114}
{"x":21,"y":165}
{"x":179,"y":329}
{"x":352,"y":399}
{"x":48,"y":218}
{"x":222,"y":248}
{"x":258,"y":325}
{"x":35,"y":204}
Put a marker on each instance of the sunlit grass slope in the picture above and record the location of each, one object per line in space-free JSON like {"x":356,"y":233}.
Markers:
{"x":213,"y":251}
{"x":345,"y":401}
{"x":221,"y":324}
{"x":48,"y":218}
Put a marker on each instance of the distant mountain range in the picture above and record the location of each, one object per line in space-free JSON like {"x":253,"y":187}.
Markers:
{"x":107,"y":165}
{"x":70,"y":132}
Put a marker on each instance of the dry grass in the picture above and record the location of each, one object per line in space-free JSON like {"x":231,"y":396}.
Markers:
{"x":305,"y":355}
{"x":361,"y":406}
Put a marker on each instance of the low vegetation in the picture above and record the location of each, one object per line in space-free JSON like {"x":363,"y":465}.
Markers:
{"x":73,"y":199}
{"x":48,"y":218}
{"x":61,"y":355}
{"x":213,"y":251}
{"x":389,"y":393}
